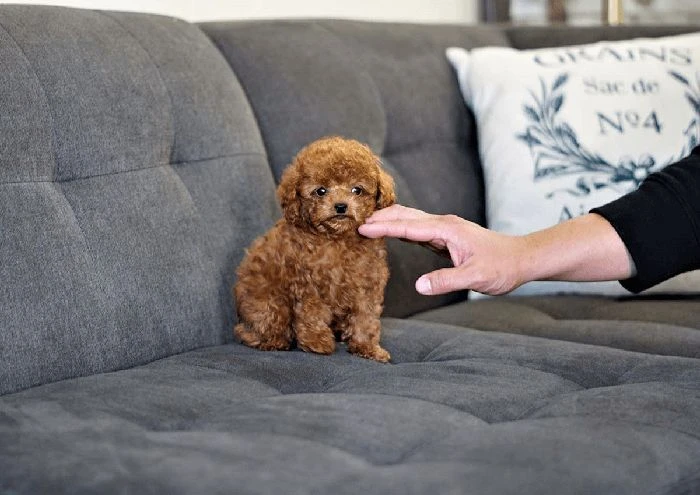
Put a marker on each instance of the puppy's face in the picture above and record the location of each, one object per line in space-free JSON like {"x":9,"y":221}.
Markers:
{"x":336,"y":198}
{"x":333,"y":185}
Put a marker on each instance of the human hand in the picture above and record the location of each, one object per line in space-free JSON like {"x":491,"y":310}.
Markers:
{"x":484,"y":260}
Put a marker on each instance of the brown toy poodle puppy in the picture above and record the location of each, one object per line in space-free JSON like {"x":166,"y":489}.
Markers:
{"x":312,"y":277}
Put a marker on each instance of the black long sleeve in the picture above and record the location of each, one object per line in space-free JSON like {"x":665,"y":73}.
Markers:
{"x":660,"y":223}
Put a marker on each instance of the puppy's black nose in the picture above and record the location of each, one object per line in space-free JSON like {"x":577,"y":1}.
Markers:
{"x":341,"y":208}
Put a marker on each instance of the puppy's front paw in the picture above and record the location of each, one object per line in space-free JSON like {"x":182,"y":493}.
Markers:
{"x":318,"y":342}
{"x":380,"y":354}
{"x":376,"y":352}
{"x":253,"y":338}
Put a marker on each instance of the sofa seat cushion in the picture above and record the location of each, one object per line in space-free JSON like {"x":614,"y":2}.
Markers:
{"x":459,"y":410}
{"x":667,"y":325}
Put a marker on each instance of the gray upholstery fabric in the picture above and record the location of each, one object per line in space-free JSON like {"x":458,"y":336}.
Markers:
{"x":132,"y":178}
{"x":652,"y":324}
{"x":388,"y":85}
{"x":120,"y":229}
{"x":460,"y":411}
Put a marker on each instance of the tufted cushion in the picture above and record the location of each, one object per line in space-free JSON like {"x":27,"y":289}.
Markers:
{"x":130,"y":161}
{"x":654,"y":324}
{"x":387,"y":85}
{"x":460,"y":411}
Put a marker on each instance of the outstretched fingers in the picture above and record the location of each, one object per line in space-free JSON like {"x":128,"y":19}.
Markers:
{"x":402,"y":222}
{"x":395,"y":213}
{"x":420,"y":230}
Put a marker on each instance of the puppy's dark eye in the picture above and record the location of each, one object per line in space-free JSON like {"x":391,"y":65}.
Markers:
{"x":321,"y":191}
{"x":357,"y":190}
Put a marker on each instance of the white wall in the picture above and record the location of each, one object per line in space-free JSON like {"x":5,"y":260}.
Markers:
{"x":454,"y":11}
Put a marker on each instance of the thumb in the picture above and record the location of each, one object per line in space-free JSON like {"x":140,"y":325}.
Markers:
{"x":441,"y":282}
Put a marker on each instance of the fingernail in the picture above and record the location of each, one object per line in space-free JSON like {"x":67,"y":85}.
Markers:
{"x":423,"y":285}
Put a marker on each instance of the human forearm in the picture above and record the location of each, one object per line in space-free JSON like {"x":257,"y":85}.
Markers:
{"x":586,"y":248}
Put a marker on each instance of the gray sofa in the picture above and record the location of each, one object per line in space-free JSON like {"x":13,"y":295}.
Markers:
{"x":139,"y":159}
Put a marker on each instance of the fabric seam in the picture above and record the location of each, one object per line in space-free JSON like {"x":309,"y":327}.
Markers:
{"x":119,"y":172}
{"x":46,"y":101}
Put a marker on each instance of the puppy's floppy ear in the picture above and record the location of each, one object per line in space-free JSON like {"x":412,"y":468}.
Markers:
{"x":288,"y":195}
{"x":385,"y":190}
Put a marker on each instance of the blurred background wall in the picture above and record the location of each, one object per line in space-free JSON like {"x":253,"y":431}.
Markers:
{"x":447,"y":11}
{"x":429,"y":11}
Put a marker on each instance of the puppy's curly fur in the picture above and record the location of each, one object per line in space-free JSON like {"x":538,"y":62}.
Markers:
{"x":312,"y":278}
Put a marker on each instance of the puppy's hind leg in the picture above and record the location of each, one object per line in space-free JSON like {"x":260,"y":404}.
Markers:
{"x":267,"y":329}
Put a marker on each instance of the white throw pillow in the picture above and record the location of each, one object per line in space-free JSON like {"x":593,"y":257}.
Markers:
{"x":563,"y":130}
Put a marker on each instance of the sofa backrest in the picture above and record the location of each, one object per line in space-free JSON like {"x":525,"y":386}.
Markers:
{"x":132,"y":176}
{"x":388,"y":85}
